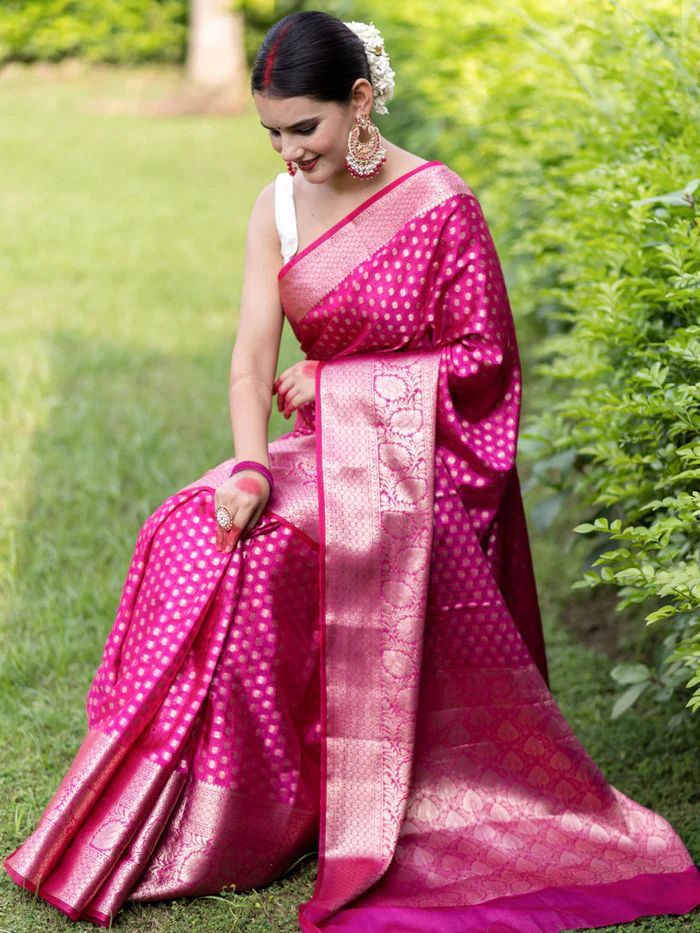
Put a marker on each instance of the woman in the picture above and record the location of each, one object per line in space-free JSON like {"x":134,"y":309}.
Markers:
{"x":340,"y":641}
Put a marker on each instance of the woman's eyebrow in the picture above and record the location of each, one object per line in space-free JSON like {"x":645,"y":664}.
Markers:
{"x":293,"y":126}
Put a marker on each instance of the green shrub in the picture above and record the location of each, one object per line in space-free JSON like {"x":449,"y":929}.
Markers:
{"x":119,"y":31}
{"x":622,"y":276}
{"x":566,"y":120}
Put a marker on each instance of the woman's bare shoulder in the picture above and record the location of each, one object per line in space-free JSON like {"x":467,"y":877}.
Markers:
{"x":262,"y":239}
{"x":262,"y":215}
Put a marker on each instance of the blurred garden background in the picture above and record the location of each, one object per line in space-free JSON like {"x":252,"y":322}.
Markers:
{"x":130,"y":156}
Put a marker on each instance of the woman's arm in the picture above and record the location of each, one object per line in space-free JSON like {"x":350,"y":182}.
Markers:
{"x":256,"y":349}
{"x":253,"y":363}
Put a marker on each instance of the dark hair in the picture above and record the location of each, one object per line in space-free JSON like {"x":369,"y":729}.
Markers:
{"x":309,"y":54}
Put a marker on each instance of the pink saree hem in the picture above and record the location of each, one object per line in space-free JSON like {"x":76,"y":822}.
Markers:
{"x":28,"y":885}
{"x":549,"y":910}
{"x":97,"y":917}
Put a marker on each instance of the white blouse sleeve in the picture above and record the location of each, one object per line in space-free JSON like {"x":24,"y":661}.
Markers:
{"x":285,"y":215}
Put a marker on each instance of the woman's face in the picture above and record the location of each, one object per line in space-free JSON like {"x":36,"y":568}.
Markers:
{"x":305,"y":130}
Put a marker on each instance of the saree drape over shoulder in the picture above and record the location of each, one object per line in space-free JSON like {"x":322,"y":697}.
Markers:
{"x":366,"y":671}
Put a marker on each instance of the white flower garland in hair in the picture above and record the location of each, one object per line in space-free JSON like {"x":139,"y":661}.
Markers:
{"x":381,"y":74}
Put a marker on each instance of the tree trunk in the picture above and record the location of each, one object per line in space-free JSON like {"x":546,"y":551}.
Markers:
{"x":215,"y":51}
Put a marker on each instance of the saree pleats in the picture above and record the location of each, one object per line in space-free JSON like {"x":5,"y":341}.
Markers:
{"x":200,"y":767}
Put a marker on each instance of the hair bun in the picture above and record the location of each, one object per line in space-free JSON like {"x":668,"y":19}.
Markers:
{"x":381,"y":74}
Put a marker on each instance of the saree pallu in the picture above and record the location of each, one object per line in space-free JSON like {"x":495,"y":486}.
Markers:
{"x":366,"y":669}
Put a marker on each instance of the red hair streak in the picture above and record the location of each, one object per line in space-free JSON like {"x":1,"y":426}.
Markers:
{"x":272,"y":55}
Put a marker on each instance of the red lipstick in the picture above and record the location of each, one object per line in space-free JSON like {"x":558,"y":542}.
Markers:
{"x":308,"y":166}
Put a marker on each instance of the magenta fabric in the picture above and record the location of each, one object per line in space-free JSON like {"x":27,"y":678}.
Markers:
{"x":366,"y":671}
{"x":546,"y":911}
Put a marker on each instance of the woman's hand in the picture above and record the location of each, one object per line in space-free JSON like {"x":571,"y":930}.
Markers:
{"x":245,"y":495}
{"x":295,"y":386}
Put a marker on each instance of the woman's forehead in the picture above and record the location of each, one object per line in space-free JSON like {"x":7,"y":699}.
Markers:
{"x":284,"y":113}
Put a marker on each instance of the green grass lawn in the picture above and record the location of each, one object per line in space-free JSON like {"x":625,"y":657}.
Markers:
{"x":122,"y":252}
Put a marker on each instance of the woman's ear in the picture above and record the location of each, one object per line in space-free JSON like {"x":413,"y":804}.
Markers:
{"x":362,"y":96}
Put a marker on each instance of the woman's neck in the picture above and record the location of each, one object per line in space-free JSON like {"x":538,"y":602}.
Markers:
{"x":342,"y":184}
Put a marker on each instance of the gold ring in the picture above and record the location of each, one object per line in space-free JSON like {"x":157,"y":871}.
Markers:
{"x":224,"y":519}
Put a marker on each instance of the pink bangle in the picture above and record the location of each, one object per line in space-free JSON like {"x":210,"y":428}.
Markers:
{"x":254,"y":465}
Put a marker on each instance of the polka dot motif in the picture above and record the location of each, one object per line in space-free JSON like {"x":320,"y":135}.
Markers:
{"x":469,"y":620}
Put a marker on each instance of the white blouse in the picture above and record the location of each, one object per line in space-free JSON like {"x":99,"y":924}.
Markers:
{"x":285,"y":215}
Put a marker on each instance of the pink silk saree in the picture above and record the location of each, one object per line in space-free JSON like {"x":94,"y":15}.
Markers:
{"x":366,"y":671}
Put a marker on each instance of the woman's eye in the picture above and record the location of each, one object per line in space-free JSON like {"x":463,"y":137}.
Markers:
{"x":305,"y":132}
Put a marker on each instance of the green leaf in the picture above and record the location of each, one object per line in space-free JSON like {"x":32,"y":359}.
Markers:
{"x":664,"y":612}
{"x":627,"y":699}
{"x":630,"y":673}
{"x":544,"y":512}
{"x":682,"y":198}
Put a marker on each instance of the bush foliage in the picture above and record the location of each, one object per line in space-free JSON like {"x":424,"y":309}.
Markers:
{"x":118,"y":31}
{"x":579,"y":128}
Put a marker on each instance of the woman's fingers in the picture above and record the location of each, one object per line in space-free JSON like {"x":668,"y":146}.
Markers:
{"x":219,"y":531}
{"x":254,"y":519}
{"x":293,"y":399}
{"x":295,"y":386}
{"x":226,"y":540}
{"x":282,"y":390}
{"x":291,"y":405}
{"x":230,"y":539}
{"x":284,"y":382}
{"x":243,"y":522}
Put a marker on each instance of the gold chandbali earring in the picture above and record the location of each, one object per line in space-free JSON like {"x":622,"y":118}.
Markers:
{"x":364,"y":159}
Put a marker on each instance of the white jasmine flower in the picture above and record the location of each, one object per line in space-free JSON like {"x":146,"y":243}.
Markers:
{"x":381,"y":74}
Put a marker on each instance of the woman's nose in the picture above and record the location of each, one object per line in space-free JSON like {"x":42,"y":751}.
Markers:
{"x":291,"y":153}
